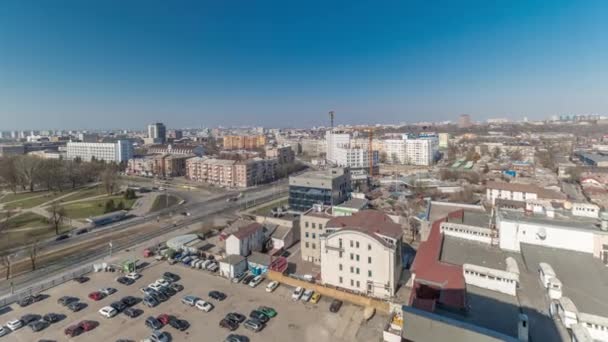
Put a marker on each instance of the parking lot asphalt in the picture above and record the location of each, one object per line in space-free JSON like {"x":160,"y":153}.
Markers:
{"x":296,"y":321}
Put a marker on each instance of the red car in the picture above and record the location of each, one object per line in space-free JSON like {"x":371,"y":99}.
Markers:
{"x":73,"y":330}
{"x":164,"y":319}
{"x":96,"y":295}
{"x":87,"y":325}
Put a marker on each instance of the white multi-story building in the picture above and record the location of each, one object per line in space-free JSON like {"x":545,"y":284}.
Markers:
{"x":362,"y":253}
{"x":355,"y":158}
{"x":395,"y":151}
{"x":418,"y":151}
{"x":120,"y":151}
{"x":334,"y":142}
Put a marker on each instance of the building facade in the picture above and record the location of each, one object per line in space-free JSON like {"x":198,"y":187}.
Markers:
{"x":247,"y":239}
{"x":244,"y":142}
{"x":158,"y":165}
{"x":283,"y":153}
{"x":157,"y":132}
{"x":327,"y":187}
{"x":120,"y":151}
{"x":231,"y":173}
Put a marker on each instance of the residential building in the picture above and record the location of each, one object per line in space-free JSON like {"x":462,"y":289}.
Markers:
{"x":162,"y":165}
{"x":283,"y":153}
{"x":177,"y":149}
{"x":312,"y":225}
{"x":362,"y":253}
{"x":247,"y":239}
{"x":88,"y":137}
{"x":313,"y":147}
{"x":464,"y":121}
{"x":519,"y":192}
{"x":335,"y":140}
{"x":231,"y":173}
{"x":444,"y":140}
{"x":157,"y":132}
{"x":120,"y":151}
{"x":357,"y":159}
{"x":244,"y":142}
{"x":175,"y":134}
{"x":326,"y":187}
{"x":412,"y":150}
{"x":7,"y":150}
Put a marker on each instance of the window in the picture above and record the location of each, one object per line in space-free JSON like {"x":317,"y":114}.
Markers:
{"x":340,"y":255}
{"x":306,"y":224}
{"x":314,"y":225}
{"x":358,"y":285}
{"x":357,"y":244}
{"x":357,"y":257}
{"x":314,"y":246}
{"x":351,"y":243}
{"x":369,"y":260}
{"x":340,"y":267}
{"x":306,"y":244}
{"x":320,"y":226}
{"x":352,"y":269}
{"x":369,"y":246}
{"x":352,"y":256}
{"x":352,"y":282}
{"x":306,"y":234}
{"x":357,"y":270}
{"x":314,"y":236}
{"x":340,"y":280}
{"x":369,"y":274}
{"x":340,"y":243}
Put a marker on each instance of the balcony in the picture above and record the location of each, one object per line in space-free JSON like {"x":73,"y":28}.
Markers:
{"x":334,"y":248}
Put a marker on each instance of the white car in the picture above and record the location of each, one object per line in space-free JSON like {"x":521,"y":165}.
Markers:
{"x":272,"y":286}
{"x":307,"y":295}
{"x":213,"y":267}
{"x":3,"y":331}
{"x":108,"y":312}
{"x":297,"y":293}
{"x":107,"y":290}
{"x":256,"y":281}
{"x":14,"y":324}
{"x":133,"y":275}
{"x":194,"y":262}
{"x":205,"y":306}
{"x":162,"y":282}
{"x":206,"y":264}
{"x":155,"y":286}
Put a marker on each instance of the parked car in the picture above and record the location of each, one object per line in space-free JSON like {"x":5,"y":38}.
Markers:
{"x":29,"y":318}
{"x":125,"y":281}
{"x":236,"y":338}
{"x":150,"y":302}
{"x":297,"y":293}
{"x":176,"y":287}
{"x":164,"y":318}
{"x":108,"y":312}
{"x":146,"y":291}
{"x":160,"y":336}
{"x":88,"y":325}
{"x":96,"y":295}
{"x":163,"y":282}
{"x":73,"y":330}
{"x":14,"y":324}
{"x":307,"y":295}
{"x":76,"y":306}
{"x":228,"y":324}
{"x":132,"y":312}
{"x":66,"y":300}
{"x":253,"y":325}
{"x":52,"y":317}
{"x":268,"y":311}
{"x":30,"y":300}
{"x":153,"y":323}
{"x":248,"y":279}
{"x":159,"y":296}
{"x":133,"y":276}
{"x":258,"y":315}
{"x":38,"y":325}
{"x":167,"y":291}
{"x":118,"y":306}
{"x":129,"y":300}
{"x":256,"y":281}
{"x":202,"y":305}
{"x":272,"y":286}
{"x":236,"y":317}
{"x":315,"y":298}
{"x":217,"y":295}
{"x":213,"y":267}
{"x":81,"y":280}
{"x":3,"y":331}
{"x":190,"y":300}
{"x":179,"y":324}
{"x":155,"y":286}
{"x":238,"y":278}
{"x":171,"y":276}
{"x":108,"y":290}
{"x":335,"y":305}
{"x":206,"y":264}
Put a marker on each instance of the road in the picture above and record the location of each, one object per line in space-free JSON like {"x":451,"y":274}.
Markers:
{"x":58,"y":256}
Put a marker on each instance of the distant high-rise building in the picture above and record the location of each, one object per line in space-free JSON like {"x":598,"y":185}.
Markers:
{"x":157,"y":132}
{"x":464,"y":121}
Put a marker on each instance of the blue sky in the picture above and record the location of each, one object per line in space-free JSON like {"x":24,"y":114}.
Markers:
{"x":122,"y":64}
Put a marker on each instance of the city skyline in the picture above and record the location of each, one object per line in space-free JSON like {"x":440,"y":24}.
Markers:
{"x":269,"y":64}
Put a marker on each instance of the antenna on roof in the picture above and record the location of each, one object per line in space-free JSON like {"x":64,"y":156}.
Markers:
{"x":331,"y":119}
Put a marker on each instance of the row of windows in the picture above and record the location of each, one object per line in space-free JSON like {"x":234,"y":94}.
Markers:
{"x":354,"y":244}
{"x":314,"y":245}
{"x":314,"y":236}
{"x":483,"y":275}
{"x":352,"y":282}
{"x":355,"y":270}
{"x":596,"y":326}
{"x":313,"y":225}
{"x":466,"y":231}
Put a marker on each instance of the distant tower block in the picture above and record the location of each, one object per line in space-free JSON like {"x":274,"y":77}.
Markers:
{"x":464,"y":121}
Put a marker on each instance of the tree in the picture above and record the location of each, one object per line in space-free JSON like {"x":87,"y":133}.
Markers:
{"x":5,"y":221}
{"x":52,"y":174}
{"x":515,"y":155}
{"x":28,"y":170}
{"x":109,"y":207}
{"x":120,"y":206}
{"x":109,"y":179}
{"x":73,"y":171}
{"x":5,"y":260}
{"x":33,"y":253}
{"x":383,"y":157}
{"x":130,"y":194}
{"x":58,"y":216}
{"x":574,"y":174}
{"x":9,"y":174}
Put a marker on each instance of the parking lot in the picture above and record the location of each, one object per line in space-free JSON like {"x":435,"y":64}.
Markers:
{"x":295,"y":320}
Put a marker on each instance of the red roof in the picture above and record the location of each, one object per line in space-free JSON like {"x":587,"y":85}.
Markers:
{"x":246,"y":231}
{"x":370,"y":221}
{"x":430,"y":271}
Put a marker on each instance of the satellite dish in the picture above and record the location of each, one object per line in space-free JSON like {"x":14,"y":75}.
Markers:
{"x":568,"y":205}
{"x":541,"y":233}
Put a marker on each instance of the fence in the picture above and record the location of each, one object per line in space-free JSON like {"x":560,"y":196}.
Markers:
{"x":45,"y":285}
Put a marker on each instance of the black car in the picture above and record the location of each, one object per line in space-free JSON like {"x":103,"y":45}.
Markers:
{"x":153,"y":323}
{"x":247,"y":279}
{"x":179,"y":324}
{"x":52,"y":317}
{"x":236,"y":317}
{"x":217,"y":295}
{"x":258,"y":315}
{"x":171,"y":277}
{"x":30,"y":300}
{"x":335,"y":305}
{"x":176,"y":287}
{"x":38,"y":325}
{"x":29,"y":318}
{"x":236,"y":338}
{"x":125,"y":281}
{"x":129,"y":300}
{"x":62,"y":237}
{"x":159,"y":296}
{"x":76,"y":306}
{"x":81,"y":280}
{"x":119,"y":306}
{"x":228,"y":324}
{"x":166,"y":291}
{"x":132,"y":312}
{"x":66,"y":300}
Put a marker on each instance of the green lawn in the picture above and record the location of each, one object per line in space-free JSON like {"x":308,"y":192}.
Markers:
{"x":96,"y":207}
{"x":21,"y":196}
{"x":265,"y":210}
{"x":27,"y":220}
{"x":161,"y":202}
{"x":31,"y":202}
{"x":84,"y":193}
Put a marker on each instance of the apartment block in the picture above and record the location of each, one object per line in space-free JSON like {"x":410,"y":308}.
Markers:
{"x":158,"y":165}
{"x":283,"y":153}
{"x":231,"y":173}
{"x":120,"y":151}
{"x":244,"y":142}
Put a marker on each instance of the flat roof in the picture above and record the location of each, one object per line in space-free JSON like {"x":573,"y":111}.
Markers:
{"x":354,"y":203}
{"x":460,"y":251}
{"x":562,"y":219}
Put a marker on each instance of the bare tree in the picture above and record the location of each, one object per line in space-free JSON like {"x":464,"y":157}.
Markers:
{"x":5,"y":261}
{"x":58,"y":216}
{"x":5,"y":221}
{"x":33,"y":252}
{"x":9,"y":174}
{"x":27,"y":168}
{"x":109,"y":178}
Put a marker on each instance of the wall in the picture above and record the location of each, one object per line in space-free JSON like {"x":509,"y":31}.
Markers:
{"x":506,"y":284}
{"x":471,"y":233}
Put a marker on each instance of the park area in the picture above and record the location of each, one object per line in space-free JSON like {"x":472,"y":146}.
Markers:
{"x":85,"y":209}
